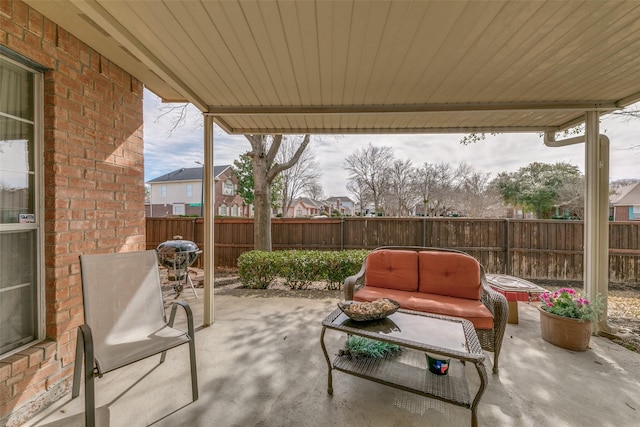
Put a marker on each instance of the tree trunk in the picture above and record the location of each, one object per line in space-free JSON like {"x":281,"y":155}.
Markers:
{"x":262,"y":205}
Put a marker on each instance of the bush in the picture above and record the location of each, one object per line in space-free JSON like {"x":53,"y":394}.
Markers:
{"x":257,"y":269}
{"x":299,"y":268}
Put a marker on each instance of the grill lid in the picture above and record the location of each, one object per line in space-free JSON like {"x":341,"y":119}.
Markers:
{"x":177,"y":253}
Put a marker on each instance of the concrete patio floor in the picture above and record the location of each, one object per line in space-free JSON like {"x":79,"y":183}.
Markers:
{"x":261,"y":364}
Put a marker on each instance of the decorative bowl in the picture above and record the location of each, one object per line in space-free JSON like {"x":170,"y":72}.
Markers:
{"x":374,"y":310}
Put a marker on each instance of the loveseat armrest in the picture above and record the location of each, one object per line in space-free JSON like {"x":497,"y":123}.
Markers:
{"x":355,"y":282}
{"x":497,"y":305}
{"x":494,"y":301}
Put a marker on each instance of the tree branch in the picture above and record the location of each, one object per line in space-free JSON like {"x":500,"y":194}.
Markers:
{"x":277,"y":168}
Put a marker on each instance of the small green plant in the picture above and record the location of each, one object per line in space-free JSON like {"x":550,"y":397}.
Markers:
{"x":360,"y":347}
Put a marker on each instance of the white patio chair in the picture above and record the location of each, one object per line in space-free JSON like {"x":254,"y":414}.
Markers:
{"x":125,"y":319}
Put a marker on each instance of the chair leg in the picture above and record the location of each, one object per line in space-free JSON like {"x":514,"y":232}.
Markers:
{"x":192,"y":344}
{"x":194,"y":371}
{"x":84,"y":334}
{"x":77,"y":369}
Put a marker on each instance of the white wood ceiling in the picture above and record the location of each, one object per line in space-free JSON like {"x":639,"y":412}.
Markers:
{"x":372,"y":66}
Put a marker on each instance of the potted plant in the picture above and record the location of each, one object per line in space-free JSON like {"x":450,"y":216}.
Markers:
{"x":565,"y":318}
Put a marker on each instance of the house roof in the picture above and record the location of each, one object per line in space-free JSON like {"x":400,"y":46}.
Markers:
{"x":358,"y":66}
{"x":188,"y":174}
{"x":308,"y":202}
{"x":629,"y":195}
{"x":341,"y":198}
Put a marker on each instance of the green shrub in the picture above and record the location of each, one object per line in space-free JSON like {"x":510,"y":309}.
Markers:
{"x":338,"y":265}
{"x":257,"y":269}
{"x":299,"y":268}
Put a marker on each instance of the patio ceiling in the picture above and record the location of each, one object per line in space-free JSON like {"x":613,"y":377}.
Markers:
{"x":372,"y":66}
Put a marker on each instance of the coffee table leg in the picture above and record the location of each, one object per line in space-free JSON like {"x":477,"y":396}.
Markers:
{"x":482,"y":373}
{"x":326,"y":357}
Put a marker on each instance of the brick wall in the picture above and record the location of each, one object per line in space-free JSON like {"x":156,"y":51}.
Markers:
{"x":93,"y":192}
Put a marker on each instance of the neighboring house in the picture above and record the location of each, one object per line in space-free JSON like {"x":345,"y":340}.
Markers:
{"x":304,"y":207}
{"x":624,"y":204}
{"x":342,"y":204}
{"x":180,"y":193}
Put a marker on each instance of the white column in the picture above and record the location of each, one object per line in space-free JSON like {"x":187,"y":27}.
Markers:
{"x":209,"y":203}
{"x":596,"y":217}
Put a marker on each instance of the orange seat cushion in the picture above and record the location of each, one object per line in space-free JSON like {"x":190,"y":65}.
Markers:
{"x":392,"y":269}
{"x":472,"y":310}
{"x":449,"y":274}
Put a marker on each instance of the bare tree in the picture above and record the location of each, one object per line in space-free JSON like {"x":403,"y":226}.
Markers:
{"x":369,"y":167}
{"x":473,"y":198}
{"x":436,"y":184}
{"x":360,"y":193}
{"x":299,"y":178}
{"x":402,"y":187}
{"x":315,"y":191}
{"x":264,"y":149}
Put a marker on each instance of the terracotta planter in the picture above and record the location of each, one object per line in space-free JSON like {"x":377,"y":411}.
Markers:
{"x":565,"y":332}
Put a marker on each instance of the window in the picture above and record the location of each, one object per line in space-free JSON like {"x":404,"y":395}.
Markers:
{"x":228,"y":189}
{"x":21,"y":315}
{"x":635,"y":214}
{"x":222,"y":210}
{"x":189,"y":190}
{"x":163,"y":191}
{"x":234,"y":210}
{"x":178,"y":209}
{"x":299,"y":212}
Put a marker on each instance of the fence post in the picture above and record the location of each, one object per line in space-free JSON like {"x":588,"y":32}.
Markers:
{"x":507,"y":249}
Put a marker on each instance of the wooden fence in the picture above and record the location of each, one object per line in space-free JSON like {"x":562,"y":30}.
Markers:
{"x":531,"y":249}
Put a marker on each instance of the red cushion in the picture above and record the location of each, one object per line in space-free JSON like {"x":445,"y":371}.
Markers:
{"x":472,"y":310}
{"x":392,"y":269}
{"x":449,"y":274}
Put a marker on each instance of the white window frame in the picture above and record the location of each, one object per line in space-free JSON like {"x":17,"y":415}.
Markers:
{"x":178,"y":209}
{"x":222,"y":210}
{"x":189,"y":190}
{"x":228,"y":187}
{"x":636,"y":212}
{"x":163,"y":191}
{"x":38,"y":225}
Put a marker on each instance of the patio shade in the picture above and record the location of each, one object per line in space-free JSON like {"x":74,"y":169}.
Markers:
{"x":372,"y":66}
{"x":351,"y":66}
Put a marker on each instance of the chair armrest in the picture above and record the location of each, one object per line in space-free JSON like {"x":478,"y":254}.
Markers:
{"x":351,"y":282}
{"x":188,"y":312}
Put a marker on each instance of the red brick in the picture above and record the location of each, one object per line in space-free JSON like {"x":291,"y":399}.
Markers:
{"x":18,"y":363}
{"x":19,"y":13}
{"x":5,"y":9}
{"x":35,"y":22}
{"x":5,"y":371}
{"x":34,"y":355}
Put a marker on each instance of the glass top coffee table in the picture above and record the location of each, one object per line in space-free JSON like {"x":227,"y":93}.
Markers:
{"x":417,"y":333}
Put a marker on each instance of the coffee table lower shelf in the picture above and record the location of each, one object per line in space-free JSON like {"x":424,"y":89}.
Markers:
{"x":452,"y":388}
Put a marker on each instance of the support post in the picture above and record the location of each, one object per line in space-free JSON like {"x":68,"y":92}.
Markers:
{"x":596,"y":221}
{"x":209,"y":203}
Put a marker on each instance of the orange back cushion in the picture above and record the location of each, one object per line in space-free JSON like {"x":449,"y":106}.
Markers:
{"x":449,"y":274}
{"x":392,"y":269}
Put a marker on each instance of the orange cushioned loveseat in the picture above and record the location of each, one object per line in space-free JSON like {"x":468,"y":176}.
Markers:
{"x":434,"y":280}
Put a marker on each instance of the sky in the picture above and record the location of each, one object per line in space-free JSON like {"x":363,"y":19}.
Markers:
{"x":167,"y":150}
